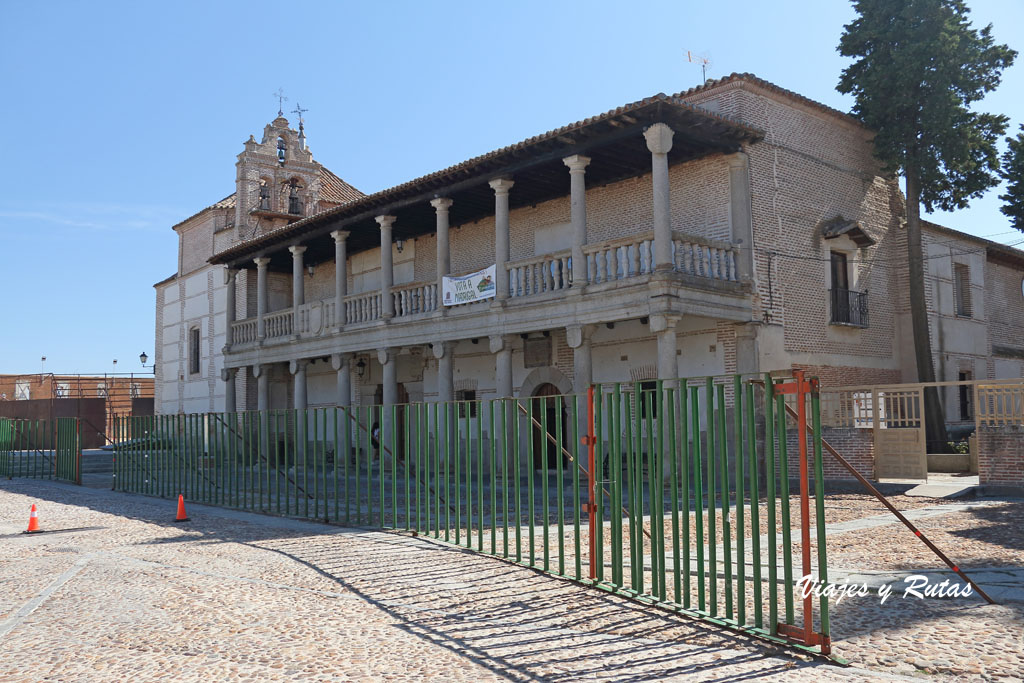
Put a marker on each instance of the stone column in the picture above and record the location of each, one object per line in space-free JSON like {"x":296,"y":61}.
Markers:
{"x":389,"y":375}
{"x":499,"y":346}
{"x":578,"y":211}
{"x":229,"y":306}
{"x":502,"y":365}
{"x":578,"y":339}
{"x":444,"y":257}
{"x":298,"y":284}
{"x":664,"y":327}
{"x":747,"y":353}
{"x":387,"y":270}
{"x":260,"y":372}
{"x":740,"y":222}
{"x":443,"y":352}
{"x":298,"y":370}
{"x":342,"y":362}
{"x":261,"y":297}
{"x":659,"y":142}
{"x":228,"y":375}
{"x":501,"y":186}
{"x":340,"y":276}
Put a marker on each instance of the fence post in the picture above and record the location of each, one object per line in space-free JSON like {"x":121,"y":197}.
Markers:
{"x":589,"y":441}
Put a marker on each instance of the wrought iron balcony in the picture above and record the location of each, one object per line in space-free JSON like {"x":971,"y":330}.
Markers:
{"x":849,"y":307}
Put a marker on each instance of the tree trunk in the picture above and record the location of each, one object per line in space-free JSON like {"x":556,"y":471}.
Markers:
{"x":935,"y":422}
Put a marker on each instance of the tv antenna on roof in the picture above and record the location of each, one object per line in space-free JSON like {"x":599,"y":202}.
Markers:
{"x":704,"y":64}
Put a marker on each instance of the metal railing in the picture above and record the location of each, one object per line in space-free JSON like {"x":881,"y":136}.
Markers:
{"x":41,"y":449}
{"x":652,"y":492}
{"x":849,"y":307}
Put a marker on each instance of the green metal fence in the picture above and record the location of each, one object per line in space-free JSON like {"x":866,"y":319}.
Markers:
{"x":686,"y":502}
{"x":40,"y":449}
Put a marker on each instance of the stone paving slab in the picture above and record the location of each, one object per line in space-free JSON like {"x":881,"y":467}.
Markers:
{"x":232,"y":596}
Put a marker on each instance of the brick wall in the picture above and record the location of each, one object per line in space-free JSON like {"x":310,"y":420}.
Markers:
{"x":857,"y":446}
{"x":1001,"y":455}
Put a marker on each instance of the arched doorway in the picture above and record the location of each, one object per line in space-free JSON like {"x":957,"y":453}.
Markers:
{"x":545,"y":409}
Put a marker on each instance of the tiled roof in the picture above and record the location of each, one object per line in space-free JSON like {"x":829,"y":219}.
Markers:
{"x":991,"y":247}
{"x":481,"y":164}
{"x":226,"y":203}
{"x":334,"y":189}
{"x":767,"y":85}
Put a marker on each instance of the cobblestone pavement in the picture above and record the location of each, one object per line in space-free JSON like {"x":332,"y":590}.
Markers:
{"x":130,"y":595}
{"x":124,"y":593}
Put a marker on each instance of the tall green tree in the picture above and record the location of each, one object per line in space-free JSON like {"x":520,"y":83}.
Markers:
{"x":919,"y":65}
{"x":1013,"y":173}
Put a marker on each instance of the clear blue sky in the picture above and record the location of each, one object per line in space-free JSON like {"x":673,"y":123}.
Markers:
{"x":124,"y":118}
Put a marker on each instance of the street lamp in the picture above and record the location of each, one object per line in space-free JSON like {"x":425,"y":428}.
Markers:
{"x":143,"y":358}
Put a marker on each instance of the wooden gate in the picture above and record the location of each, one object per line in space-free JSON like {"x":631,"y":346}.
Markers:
{"x":898,"y":423}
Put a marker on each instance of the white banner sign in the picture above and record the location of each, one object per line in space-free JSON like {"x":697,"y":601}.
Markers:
{"x":469,"y":288}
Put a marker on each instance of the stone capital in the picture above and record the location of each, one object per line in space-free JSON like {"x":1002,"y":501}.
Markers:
{"x":298,"y":365}
{"x":738,"y":160}
{"x":339,"y":235}
{"x":498,"y":342}
{"x":385,"y":222}
{"x":659,"y":138}
{"x":385,"y":356}
{"x":262,"y":262}
{"x":501,"y":185}
{"x":228,"y":374}
{"x":229,"y":275}
{"x":339,"y":360}
{"x":662,"y":322}
{"x":258,"y":370}
{"x":575,"y":335}
{"x":297,"y":250}
{"x":441,"y":204}
{"x":576,"y":163}
{"x":441,"y":349}
{"x":747,"y":330}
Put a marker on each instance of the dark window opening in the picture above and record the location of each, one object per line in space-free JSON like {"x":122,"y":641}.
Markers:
{"x":193,"y":351}
{"x":468,"y":395}
{"x":649,"y":395}
{"x":264,"y":196}
{"x":280,"y":151}
{"x":962,"y":289}
{"x":965,"y":396}
{"x":848,"y":306}
{"x":294,"y":203}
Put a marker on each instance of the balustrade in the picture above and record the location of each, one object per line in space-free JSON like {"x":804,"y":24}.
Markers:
{"x":243,"y":331}
{"x":413,"y":298}
{"x":547,"y":273}
{"x":362,"y":308}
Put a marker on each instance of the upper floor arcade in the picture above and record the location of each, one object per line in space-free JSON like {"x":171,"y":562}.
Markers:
{"x":642,"y":210}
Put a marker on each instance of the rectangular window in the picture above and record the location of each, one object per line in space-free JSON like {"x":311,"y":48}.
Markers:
{"x":965,"y":395}
{"x":840,"y":273}
{"x":63,"y":390}
{"x":193,"y":351}
{"x":136,"y":390}
{"x":466,"y":395}
{"x":22,"y":390}
{"x":101,"y":390}
{"x":962,"y":289}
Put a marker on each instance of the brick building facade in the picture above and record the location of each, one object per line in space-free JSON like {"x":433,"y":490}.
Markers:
{"x":735,"y":227}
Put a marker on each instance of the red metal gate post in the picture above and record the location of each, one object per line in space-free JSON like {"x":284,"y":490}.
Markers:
{"x":801,"y":388}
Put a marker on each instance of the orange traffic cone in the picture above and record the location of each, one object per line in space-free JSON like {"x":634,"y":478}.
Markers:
{"x":182,"y":517}
{"x":33,"y":520}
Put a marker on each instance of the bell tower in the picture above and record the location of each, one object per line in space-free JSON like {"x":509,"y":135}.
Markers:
{"x":277,"y":181}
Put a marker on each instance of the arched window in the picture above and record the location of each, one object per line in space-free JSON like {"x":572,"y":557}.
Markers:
{"x":281,"y":147}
